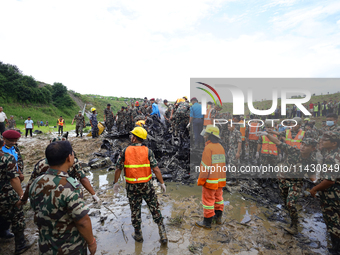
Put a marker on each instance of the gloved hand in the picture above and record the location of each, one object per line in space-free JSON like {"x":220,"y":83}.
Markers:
{"x":188,"y":125}
{"x":96,"y":198}
{"x":260,"y":133}
{"x":163,"y":187}
{"x":257,"y":155}
{"x":116,"y":188}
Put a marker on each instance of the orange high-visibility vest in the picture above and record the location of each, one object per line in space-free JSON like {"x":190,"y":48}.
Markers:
{"x":268,"y":147}
{"x":207,"y":117}
{"x":253,"y":131}
{"x":212,"y":167}
{"x":243,"y":131}
{"x":137,"y":165}
{"x":297,"y":140}
{"x":61,"y":122}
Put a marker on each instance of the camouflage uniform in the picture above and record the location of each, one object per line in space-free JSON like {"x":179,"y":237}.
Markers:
{"x":181,"y":116}
{"x":76,"y":171}
{"x":330,"y":198}
{"x":332,"y":128}
{"x":57,"y":201}
{"x":134,"y":114}
{"x":167,"y":113}
{"x":108,"y":119}
{"x":290,"y":188}
{"x":128,"y":115}
{"x":267,"y":159}
{"x":94,"y":122}
{"x":139,"y":191}
{"x":11,"y":123}
{"x":80,"y":121}
{"x":8,"y":196}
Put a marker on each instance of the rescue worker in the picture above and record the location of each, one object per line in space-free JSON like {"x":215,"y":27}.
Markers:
{"x":108,"y":117}
{"x":11,"y":210}
{"x":94,"y":123}
{"x":306,"y":121}
{"x":212,"y":177}
{"x":168,"y":112}
{"x":208,"y":116}
{"x":137,"y":162}
{"x":253,"y":138}
{"x":155,"y":110}
{"x":329,"y":187}
{"x":181,"y":116}
{"x":331,"y":123}
{"x":60,"y":124}
{"x":120,"y":119}
{"x":269,"y":151}
{"x":80,"y":123}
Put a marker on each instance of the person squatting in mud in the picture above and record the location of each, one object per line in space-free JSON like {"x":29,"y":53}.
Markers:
{"x":137,"y":161}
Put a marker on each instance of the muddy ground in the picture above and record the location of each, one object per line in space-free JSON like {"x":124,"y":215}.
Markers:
{"x":253,"y":219}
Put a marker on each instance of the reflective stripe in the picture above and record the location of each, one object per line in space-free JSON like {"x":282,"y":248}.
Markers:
{"x":220,"y":202}
{"x":209,"y":113}
{"x":222,"y":179}
{"x":218,"y":158}
{"x":212,"y":181}
{"x":139,"y":179}
{"x":208,"y":167}
{"x":136,"y":166}
{"x":207,"y":207}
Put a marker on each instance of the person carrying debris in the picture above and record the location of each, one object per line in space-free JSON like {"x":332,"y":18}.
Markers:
{"x":329,"y":187}
{"x":11,"y":210}
{"x":60,"y":211}
{"x":212,"y":177}
{"x":137,"y":162}
{"x":291,"y":185}
{"x":94,"y":123}
{"x":80,"y":123}
{"x":108,"y":117}
{"x":60,"y":124}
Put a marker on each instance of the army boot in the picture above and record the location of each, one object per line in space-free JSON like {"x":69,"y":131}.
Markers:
{"x":206,"y":223}
{"x":293,"y":228}
{"x":218,"y":217}
{"x":162,"y":233}
{"x":138,"y":235}
{"x":21,"y":244}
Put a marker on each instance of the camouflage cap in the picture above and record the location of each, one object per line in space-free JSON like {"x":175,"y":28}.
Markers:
{"x":331,"y":135}
{"x":310,"y":141}
{"x":298,"y":120}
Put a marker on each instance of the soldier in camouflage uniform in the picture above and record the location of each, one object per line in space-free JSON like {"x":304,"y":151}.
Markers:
{"x":60,"y":211}
{"x":270,"y":157}
{"x":181,"y":117}
{"x":11,"y":123}
{"x":291,"y":183}
{"x":234,"y":147}
{"x":331,"y":123}
{"x":169,"y":111}
{"x":311,"y":132}
{"x":11,"y":210}
{"x":329,"y":188}
{"x":120,"y":119}
{"x":137,"y":170}
{"x":134,"y":114}
{"x":80,"y":123}
{"x":108,"y":118}
{"x":128,"y":119}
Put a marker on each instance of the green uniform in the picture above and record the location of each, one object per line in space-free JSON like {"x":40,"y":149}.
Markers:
{"x":80,"y":122}
{"x":139,"y":191}
{"x":108,"y":119}
{"x":181,"y":116}
{"x":8,"y":196}
{"x":57,"y":200}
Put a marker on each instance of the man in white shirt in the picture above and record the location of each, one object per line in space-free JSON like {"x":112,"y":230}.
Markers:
{"x":29,"y":126}
{"x":3,"y":118}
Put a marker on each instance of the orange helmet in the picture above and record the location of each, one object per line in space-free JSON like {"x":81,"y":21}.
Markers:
{"x":137,"y":103}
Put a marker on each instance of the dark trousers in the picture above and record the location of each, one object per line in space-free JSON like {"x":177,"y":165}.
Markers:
{"x":60,"y":130}
{"x":197,"y":125}
{"x":2,"y":127}
{"x":30,"y":130}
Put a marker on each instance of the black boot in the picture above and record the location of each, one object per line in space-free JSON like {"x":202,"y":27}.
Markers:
{"x":20,"y":243}
{"x":335,"y":250}
{"x":6,"y":234}
{"x":162,"y":234}
{"x":218,"y":217}
{"x":206,"y":223}
{"x":138,"y":235}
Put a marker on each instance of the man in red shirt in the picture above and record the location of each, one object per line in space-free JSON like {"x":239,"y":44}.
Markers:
{"x":311,"y":105}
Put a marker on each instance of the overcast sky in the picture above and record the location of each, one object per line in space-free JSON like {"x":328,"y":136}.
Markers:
{"x":153,"y":48}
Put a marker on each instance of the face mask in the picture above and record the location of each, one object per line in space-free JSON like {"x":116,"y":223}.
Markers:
{"x":329,"y":123}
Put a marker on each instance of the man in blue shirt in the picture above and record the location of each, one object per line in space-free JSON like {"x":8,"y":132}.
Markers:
{"x":155,"y":109}
{"x":196,"y":119}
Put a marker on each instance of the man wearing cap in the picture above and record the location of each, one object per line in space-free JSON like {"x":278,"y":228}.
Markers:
{"x":3,"y":120}
{"x":196,"y":119}
{"x":80,"y":123}
{"x":155,"y":110}
{"x":137,"y":161}
{"x":291,"y":183}
{"x":108,"y":117}
{"x":329,"y":187}
{"x":212,"y":177}
{"x":11,"y":210}
{"x":94,"y":123}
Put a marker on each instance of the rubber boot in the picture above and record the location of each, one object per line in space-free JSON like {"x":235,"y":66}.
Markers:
{"x":162,"y":234}
{"x":206,"y":223}
{"x":21,"y":244}
{"x":292,"y":229}
{"x":138,"y":236}
{"x":218,"y":217}
{"x":335,"y":250}
{"x":6,"y":234}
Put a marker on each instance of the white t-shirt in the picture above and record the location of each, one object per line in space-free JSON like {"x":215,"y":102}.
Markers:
{"x":29,"y":123}
{"x":2,"y":116}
